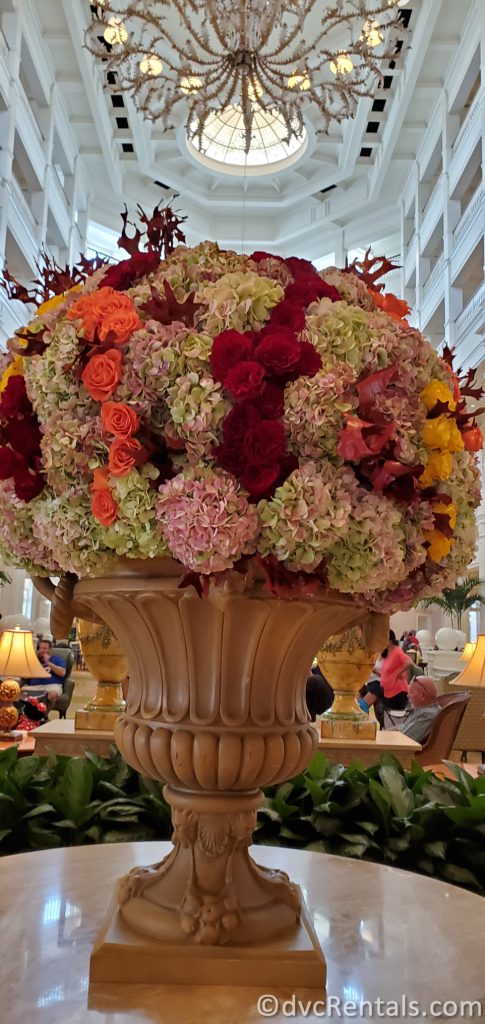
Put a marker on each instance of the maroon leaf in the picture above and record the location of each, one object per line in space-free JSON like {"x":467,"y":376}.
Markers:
{"x":168,"y":309}
{"x":370,"y":269}
{"x":376,"y":384}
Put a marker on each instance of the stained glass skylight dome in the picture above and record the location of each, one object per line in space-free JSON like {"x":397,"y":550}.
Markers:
{"x":222,"y":144}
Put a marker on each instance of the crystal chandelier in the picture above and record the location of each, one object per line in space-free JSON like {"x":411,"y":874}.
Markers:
{"x":267,"y":55}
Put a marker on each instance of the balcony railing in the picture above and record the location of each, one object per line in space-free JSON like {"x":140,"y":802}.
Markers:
{"x":469,"y":120}
{"x":473,"y":314}
{"x":472,"y":211}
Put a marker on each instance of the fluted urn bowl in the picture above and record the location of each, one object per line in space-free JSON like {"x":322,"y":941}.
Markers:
{"x":216,"y":709}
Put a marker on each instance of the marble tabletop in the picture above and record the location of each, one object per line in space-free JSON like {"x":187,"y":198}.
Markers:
{"x":387,"y":934}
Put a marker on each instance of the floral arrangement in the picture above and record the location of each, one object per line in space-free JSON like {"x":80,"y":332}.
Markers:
{"x":222,"y":408}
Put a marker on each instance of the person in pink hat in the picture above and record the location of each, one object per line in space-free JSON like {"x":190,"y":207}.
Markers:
{"x":424,"y":698}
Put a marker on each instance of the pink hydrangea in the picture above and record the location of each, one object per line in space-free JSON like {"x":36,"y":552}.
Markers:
{"x":205,"y":520}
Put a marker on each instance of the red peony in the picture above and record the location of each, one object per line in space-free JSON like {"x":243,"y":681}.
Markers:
{"x":298,"y":266}
{"x":123,"y":275}
{"x":10,"y":462}
{"x":271,"y":402}
{"x":229,"y":349}
{"x":27,"y":485}
{"x":308,"y":288}
{"x":259,"y":256}
{"x":263,"y":443}
{"x":14,"y":399}
{"x":279,"y":352}
{"x":245,"y":380}
{"x":288,"y":314}
{"x":24,"y":435}
{"x":259,"y":481}
{"x":310,"y":361}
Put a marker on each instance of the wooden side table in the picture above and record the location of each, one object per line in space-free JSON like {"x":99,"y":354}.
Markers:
{"x":60,"y":737}
{"x":370,"y":751}
{"x":25,"y":745}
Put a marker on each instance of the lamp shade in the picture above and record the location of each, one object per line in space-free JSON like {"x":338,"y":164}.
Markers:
{"x":17,"y":655}
{"x":474,"y":673}
{"x":467,"y":651}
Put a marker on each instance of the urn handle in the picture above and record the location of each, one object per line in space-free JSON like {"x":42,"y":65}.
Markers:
{"x":64,"y":605}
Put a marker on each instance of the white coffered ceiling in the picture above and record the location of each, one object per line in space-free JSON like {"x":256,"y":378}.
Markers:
{"x":344,"y":188}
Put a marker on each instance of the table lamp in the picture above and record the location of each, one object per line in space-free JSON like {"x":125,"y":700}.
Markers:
{"x":17,"y":658}
{"x":467,"y":651}
{"x":474,"y":672}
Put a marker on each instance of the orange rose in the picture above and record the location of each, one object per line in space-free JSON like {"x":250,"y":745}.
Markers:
{"x":100,"y":479}
{"x":119,"y":326}
{"x":119,"y":419}
{"x":92,"y":309}
{"x":473,"y":439}
{"x":104,"y":507}
{"x":102,"y":374}
{"x":123,"y":455}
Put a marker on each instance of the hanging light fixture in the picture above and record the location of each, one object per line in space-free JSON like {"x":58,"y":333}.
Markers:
{"x":151,"y":65}
{"x":278,"y":57}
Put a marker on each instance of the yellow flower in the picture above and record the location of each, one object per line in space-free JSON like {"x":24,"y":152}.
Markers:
{"x":442,"y":433}
{"x":446,"y":510}
{"x":14,"y":369}
{"x":438,"y":467}
{"x":437,"y":391}
{"x":47,"y":307}
{"x":439,"y":546}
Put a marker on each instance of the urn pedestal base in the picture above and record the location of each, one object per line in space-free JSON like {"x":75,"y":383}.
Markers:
{"x":96,"y":720}
{"x":293,"y":962}
{"x":347,"y":728}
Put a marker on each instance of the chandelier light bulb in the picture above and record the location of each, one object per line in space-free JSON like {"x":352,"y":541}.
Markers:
{"x":342,"y":65}
{"x":115,"y":32}
{"x":299,"y":80}
{"x":190,"y":85}
{"x":151,"y":65}
{"x":372,"y":33}
{"x":255,"y":90}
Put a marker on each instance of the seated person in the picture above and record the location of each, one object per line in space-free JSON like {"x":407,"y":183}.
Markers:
{"x":389,"y":684}
{"x":57,"y":670}
{"x":319,"y":694}
{"x":424,"y":698}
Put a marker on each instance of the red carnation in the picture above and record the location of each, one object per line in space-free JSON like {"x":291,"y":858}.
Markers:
{"x":238,"y":422}
{"x":27,"y":485}
{"x":10,"y":462}
{"x":299,"y":266}
{"x":24,"y":435}
{"x":310,"y":361}
{"x":307,"y":288}
{"x":228,"y":349}
{"x":288,"y":314}
{"x":279,"y":351}
{"x":259,"y":481}
{"x":259,"y":256}
{"x":123,"y":275}
{"x":14,"y":399}
{"x":271,"y":402}
{"x":263,"y":444}
{"x":245,"y":380}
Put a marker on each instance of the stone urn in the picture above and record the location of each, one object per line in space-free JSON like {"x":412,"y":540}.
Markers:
{"x":216,"y":709}
{"x":346,"y":661}
{"x":104,"y":657}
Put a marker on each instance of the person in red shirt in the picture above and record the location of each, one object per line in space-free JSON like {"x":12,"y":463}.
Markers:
{"x":391,"y":690}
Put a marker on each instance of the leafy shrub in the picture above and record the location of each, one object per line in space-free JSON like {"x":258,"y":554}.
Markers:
{"x":414,"y":819}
